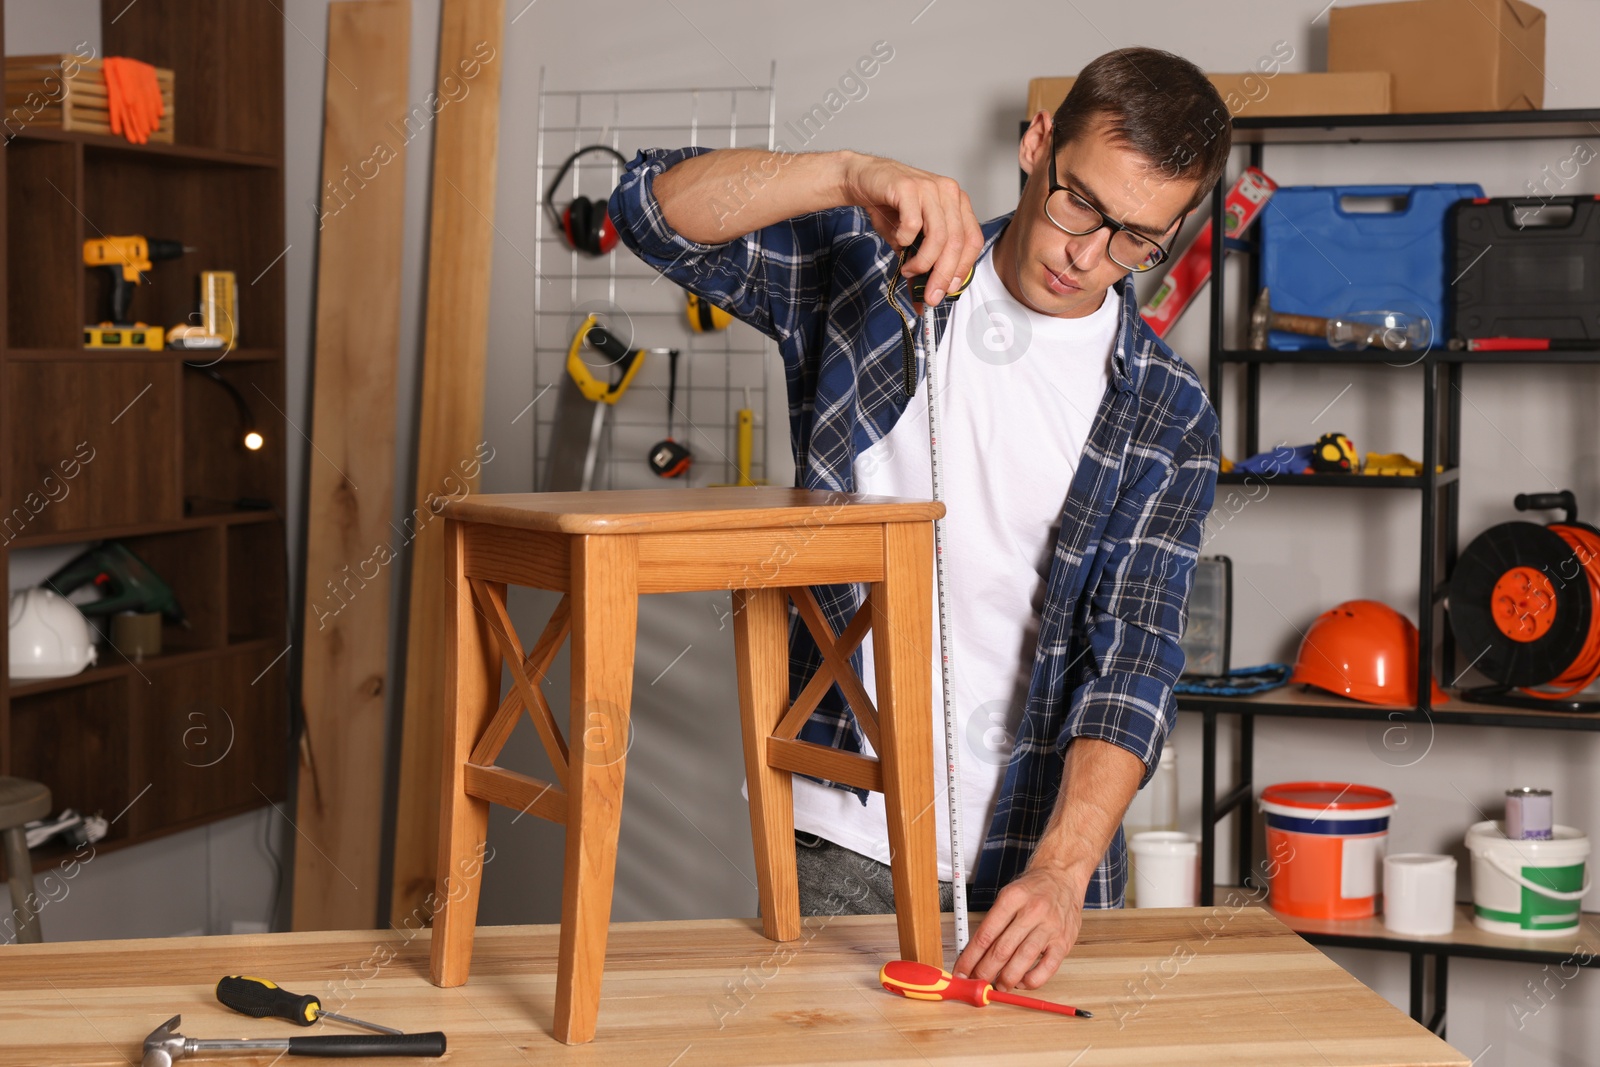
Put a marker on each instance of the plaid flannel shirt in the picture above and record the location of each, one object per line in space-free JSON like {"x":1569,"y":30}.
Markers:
{"x":1107,"y":653}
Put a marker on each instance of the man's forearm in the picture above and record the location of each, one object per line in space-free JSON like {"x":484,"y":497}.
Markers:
{"x":1099,"y":782}
{"x":718,"y":196}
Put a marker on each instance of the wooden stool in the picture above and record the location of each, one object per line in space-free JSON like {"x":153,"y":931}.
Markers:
{"x":21,"y":802}
{"x":604,"y":549}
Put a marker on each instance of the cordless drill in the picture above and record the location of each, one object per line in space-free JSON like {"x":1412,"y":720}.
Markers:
{"x":126,"y":259}
{"x":125,"y":582}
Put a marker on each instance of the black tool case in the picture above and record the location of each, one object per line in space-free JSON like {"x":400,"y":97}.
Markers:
{"x":1526,"y":267}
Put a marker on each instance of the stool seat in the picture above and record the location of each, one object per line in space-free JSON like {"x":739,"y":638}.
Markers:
{"x":664,"y":510}
{"x":768,"y":546}
{"x":22,"y":801}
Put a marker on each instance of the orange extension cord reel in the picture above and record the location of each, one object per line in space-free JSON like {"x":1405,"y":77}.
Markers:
{"x":1525,"y":607}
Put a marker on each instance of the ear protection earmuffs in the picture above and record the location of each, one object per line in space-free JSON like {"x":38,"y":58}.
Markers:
{"x":584,"y":222}
{"x":704,"y":316}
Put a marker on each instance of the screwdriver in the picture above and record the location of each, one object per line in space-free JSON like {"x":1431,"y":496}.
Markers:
{"x":262,"y":999}
{"x":922,"y":981}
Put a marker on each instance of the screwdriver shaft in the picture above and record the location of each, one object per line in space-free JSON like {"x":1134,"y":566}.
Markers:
{"x":357,"y":1022}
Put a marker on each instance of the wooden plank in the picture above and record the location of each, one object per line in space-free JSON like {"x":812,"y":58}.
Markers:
{"x":1202,"y":987}
{"x":344,"y":654}
{"x":455,"y":347}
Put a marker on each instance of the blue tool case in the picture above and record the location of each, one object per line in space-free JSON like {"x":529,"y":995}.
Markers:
{"x":1325,"y":251}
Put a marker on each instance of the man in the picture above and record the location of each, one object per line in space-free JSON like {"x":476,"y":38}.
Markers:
{"x":1079,"y":457}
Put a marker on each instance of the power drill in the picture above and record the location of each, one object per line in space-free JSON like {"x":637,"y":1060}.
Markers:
{"x":125,"y":582}
{"x":126,"y":259}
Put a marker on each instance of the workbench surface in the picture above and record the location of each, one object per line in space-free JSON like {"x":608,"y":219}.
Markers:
{"x":1193,"y":986}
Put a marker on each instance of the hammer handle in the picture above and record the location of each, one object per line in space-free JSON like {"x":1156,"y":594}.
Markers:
{"x":429,"y":1044}
{"x":1306,"y":325}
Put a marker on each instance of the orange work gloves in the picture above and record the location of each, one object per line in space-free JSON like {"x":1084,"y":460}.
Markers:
{"x":133,"y":97}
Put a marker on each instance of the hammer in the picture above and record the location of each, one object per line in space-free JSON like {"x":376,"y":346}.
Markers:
{"x":165,"y":1045}
{"x":1264,"y":319}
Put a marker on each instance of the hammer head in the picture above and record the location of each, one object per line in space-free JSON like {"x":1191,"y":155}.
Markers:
{"x":1260,"y":322}
{"x":164,"y":1045}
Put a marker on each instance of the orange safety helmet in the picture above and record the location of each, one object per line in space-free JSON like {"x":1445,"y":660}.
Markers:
{"x":1365,"y":650}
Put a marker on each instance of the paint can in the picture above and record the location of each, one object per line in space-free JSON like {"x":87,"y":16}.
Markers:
{"x":1530,"y":814}
{"x":1325,"y":847}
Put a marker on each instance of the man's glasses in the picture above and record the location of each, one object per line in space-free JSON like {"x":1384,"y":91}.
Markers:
{"x":1072,"y":214}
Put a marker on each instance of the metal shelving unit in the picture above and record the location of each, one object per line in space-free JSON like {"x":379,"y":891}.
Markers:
{"x":1441,"y":371}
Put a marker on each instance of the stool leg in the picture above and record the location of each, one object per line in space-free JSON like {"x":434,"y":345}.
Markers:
{"x":472,"y":682}
{"x":902,"y":629}
{"x":19,"y":874}
{"x":605,"y":616}
{"x":761,"y":647}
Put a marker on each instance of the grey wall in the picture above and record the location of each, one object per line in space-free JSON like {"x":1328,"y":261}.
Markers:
{"x":949,"y":101}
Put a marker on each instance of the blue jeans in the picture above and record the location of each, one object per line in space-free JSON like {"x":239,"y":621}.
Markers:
{"x":837,"y":881}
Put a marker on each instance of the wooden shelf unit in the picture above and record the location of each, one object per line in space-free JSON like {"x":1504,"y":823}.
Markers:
{"x":155,"y":450}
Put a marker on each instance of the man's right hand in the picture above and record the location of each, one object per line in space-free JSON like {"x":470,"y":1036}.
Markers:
{"x":903,"y":201}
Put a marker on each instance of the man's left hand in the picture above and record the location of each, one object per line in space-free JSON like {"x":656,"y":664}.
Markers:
{"x":1033,"y":925}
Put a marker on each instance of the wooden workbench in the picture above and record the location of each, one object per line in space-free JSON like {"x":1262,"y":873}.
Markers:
{"x":1194,"y":986}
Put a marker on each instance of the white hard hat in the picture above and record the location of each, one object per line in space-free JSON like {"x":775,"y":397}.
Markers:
{"x":49,"y":637}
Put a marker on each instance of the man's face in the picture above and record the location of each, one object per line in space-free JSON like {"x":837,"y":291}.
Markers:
{"x":1056,"y":273}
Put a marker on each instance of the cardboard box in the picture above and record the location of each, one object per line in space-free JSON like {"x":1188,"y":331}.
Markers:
{"x":1255,"y":94}
{"x":1446,"y":55}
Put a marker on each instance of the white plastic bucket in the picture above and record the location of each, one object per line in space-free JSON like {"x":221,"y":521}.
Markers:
{"x":1166,"y":866}
{"x":1527,"y":888}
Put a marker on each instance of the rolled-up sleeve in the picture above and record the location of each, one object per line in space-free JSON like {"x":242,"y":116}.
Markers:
{"x":774,"y":278}
{"x":1136,"y":614}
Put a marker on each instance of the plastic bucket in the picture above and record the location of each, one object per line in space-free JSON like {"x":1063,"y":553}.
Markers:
{"x":1166,"y":868}
{"x":1527,"y":888}
{"x":1325,"y":846}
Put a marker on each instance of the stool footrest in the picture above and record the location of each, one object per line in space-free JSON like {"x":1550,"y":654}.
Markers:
{"x":820,"y":761}
{"x":512,"y":790}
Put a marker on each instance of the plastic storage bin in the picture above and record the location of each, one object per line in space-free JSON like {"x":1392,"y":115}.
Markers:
{"x":1526,"y":267}
{"x":1325,"y":252}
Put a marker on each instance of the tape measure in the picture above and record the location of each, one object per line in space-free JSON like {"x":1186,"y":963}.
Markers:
{"x":958,"y":879}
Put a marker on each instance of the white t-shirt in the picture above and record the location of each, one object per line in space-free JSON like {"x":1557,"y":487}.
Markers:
{"x":1018,"y":392}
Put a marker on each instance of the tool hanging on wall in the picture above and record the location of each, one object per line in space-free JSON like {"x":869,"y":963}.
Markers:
{"x":667,"y":458}
{"x":704,"y":316}
{"x":918,"y":287}
{"x":583,"y":222}
{"x":1524,"y":605}
{"x":621,"y":363}
{"x":743,"y":447}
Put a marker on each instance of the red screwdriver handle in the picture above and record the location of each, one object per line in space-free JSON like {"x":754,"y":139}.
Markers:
{"x":923,"y":981}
